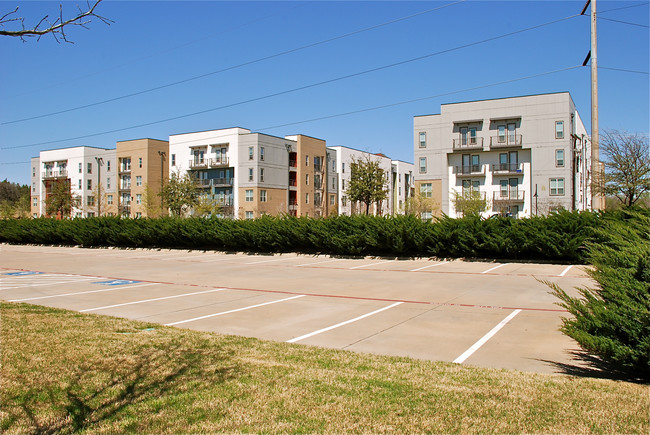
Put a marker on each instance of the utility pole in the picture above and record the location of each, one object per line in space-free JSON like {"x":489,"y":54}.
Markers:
{"x":100,"y":162}
{"x":162,"y":178}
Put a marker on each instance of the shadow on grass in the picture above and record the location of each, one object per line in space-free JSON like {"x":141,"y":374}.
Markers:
{"x":99,"y":390}
{"x":590,"y":366}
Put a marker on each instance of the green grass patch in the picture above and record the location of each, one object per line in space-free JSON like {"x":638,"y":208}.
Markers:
{"x":68,"y":372}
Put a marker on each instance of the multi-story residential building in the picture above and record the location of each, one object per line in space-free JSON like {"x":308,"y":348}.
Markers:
{"x":142,"y":166}
{"x":402,"y":185}
{"x":82,"y":169}
{"x":523,"y":156}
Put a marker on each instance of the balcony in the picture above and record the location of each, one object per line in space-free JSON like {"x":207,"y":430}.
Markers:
{"x":508,"y":169}
{"x":125,"y":186}
{"x":508,"y":141}
{"x":293,"y":163}
{"x":222,"y":182}
{"x":512,"y":195}
{"x":125,"y":210}
{"x":470,"y":171}
{"x":198,"y":163}
{"x":52,"y":174}
{"x":203,"y":182}
{"x":318,"y":167}
{"x":468,"y":144}
{"x":218,"y":162}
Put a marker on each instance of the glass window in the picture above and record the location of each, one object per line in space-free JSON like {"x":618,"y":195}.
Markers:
{"x":109,"y":199}
{"x":472,"y":136}
{"x":249,"y":215}
{"x":557,"y":186}
{"x":423,"y":139}
{"x":138,"y":198}
{"x":108,"y":182}
{"x":425,"y":190}
{"x":250,"y":153}
{"x":80,"y":167}
{"x":261,"y":153}
{"x":423,"y":165}
{"x":249,"y":195}
{"x":108,"y":166}
{"x":332,"y":199}
{"x":307,"y":179}
{"x":261,"y":174}
{"x":511,"y":133}
{"x":463,"y":136}
{"x":559,"y":158}
{"x":138,"y":180}
{"x":89,"y":184}
{"x":35,"y":202}
{"x":262,"y":195}
{"x":138,"y":214}
{"x":306,"y":198}
{"x":79,"y":184}
{"x":559,"y":129}
{"x":343,"y":168}
{"x":250,"y":174}
{"x":475,"y":163}
{"x":306,"y":160}
{"x":140,"y":162}
{"x":90,"y":200}
{"x":90,"y":168}
{"x":426,"y":215}
{"x":173,"y":159}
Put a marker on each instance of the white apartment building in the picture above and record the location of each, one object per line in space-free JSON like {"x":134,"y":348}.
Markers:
{"x":402,"y":185}
{"x":524,"y":156}
{"x":82,"y":168}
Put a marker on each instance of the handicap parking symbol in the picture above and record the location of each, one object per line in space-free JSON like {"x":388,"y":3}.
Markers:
{"x":116,"y":282}
{"x":22,"y":273}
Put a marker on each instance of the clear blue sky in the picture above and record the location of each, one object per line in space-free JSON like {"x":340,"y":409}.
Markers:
{"x":153,"y":43}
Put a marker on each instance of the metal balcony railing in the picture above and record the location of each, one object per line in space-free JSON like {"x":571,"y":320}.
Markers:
{"x":293,"y":163}
{"x":217,"y":162}
{"x":509,"y":195}
{"x":222,"y":181}
{"x":470,"y":170}
{"x":507,"y":141}
{"x":468,"y":143}
{"x":507,"y":168}
{"x":198,"y":163}
{"x":55,"y":173}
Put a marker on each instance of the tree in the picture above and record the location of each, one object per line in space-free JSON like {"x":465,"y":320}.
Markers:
{"x":14,"y":200}
{"x":151,"y":201}
{"x":180,"y":194}
{"x":207,"y":206}
{"x":60,"y":200}
{"x":418,"y":204}
{"x":470,"y":202}
{"x":56,"y":28}
{"x":627,"y":167}
{"x":367,"y":181}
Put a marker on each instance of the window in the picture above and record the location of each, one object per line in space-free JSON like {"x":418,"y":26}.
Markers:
{"x":138,"y":180}
{"x":306,"y":198}
{"x":126,"y":182}
{"x":126,"y":164}
{"x":90,"y":214}
{"x":79,"y":184}
{"x":333,"y":183}
{"x":109,"y":199}
{"x":343,"y":184}
{"x":80,"y":167}
{"x":317,"y":198}
{"x":139,"y":162}
{"x":343,"y":168}
{"x":476,"y":165}
{"x":332,"y":199}
{"x":559,"y":129}
{"x":472,"y":136}
{"x":344,"y":200}
{"x":306,"y":160}
{"x":250,"y":174}
{"x":463,"y":136}
{"x":138,"y":214}
{"x":108,"y":166}
{"x":559,"y":158}
{"x":138,"y":198}
{"x":249,"y":195}
{"x":250,"y":153}
{"x":261,"y":153}
{"x":470,"y":186}
{"x":557,"y":186}
{"x":262,"y":195}
{"x":90,"y":168}
{"x":333,"y":165}
{"x":423,"y":165}
{"x":173,"y":159}
{"x":34,"y":187}
{"x":501,"y":137}
{"x":108,"y":182}
{"x":307,"y":179}
{"x":90,"y":200}
{"x":426,"y":190}
{"x":33,"y":171}
{"x":423,"y":139}
{"x":35,"y":202}
{"x":261,"y":175}
{"x":249,"y":215}
{"x":426,"y":215}
{"x":90,"y":184}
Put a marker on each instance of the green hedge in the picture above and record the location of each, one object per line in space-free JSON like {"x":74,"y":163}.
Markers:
{"x":559,"y":237}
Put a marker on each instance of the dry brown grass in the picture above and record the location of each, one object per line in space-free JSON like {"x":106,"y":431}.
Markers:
{"x":67,"y":372}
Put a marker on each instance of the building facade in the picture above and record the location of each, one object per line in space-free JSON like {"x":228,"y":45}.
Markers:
{"x":520,"y":156}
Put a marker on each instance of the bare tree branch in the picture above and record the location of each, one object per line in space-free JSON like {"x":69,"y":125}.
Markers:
{"x":57,"y":28}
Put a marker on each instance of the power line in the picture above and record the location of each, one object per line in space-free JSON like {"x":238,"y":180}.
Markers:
{"x":301,"y":88}
{"x":251,"y":62}
{"x":624,"y":7}
{"x":624,"y":22}
{"x":625,"y":70}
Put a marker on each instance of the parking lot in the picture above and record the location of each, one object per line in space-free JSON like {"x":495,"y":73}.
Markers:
{"x":490,"y":314}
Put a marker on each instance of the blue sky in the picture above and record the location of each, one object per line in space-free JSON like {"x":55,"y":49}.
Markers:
{"x":154,"y":43}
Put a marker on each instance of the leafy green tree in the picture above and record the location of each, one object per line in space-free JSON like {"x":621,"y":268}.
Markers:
{"x":627,"y":167}
{"x":418,"y":204}
{"x":180,"y":194}
{"x":367,"y":182}
{"x":14,"y":199}
{"x":470,"y":202}
{"x":60,"y":201}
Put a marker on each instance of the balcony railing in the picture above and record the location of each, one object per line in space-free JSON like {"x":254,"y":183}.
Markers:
{"x":507,"y":168}
{"x":293,"y":163}
{"x":470,"y":170}
{"x":203,"y":182}
{"x":318,"y":167}
{"x":508,"y":141}
{"x":125,"y":209}
{"x":217,"y":162}
{"x":512,"y":195}
{"x":125,"y":186}
{"x":218,"y":182}
{"x":55,"y":173}
{"x":293,"y":182}
{"x":469,"y":143}
{"x":198,"y":163}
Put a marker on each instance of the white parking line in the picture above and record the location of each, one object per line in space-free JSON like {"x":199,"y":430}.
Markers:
{"x":270,"y":261}
{"x":372,"y":264}
{"x":320,"y":331}
{"x":46,"y":283}
{"x":566,"y":270}
{"x":233,"y":311}
{"x":495,"y":267}
{"x":80,"y":293}
{"x":485,"y":338}
{"x":213,"y":260}
{"x":320,"y":262}
{"x":431,"y":265}
{"x":151,"y":300}
{"x":186,"y":257}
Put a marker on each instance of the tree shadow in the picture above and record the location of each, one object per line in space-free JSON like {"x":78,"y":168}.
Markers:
{"x":101,"y":389}
{"x":591,"y":366}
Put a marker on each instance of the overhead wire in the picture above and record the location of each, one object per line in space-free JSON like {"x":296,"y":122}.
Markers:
{"x":304,"y":87}
{"x":233,"y":67}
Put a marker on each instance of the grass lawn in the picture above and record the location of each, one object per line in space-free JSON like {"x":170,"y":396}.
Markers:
{"x":68,"y":372}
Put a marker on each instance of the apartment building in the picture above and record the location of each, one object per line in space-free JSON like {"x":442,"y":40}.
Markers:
{"x":142,"y":166}
{"x":83,"y":170}
{"x":523,"y":156}
{"x":402,"y":185}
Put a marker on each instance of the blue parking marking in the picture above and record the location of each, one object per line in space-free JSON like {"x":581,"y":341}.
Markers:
{"x":116,"y":282}
{"x":22,"y":273}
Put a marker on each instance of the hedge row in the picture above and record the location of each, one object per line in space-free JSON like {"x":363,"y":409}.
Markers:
{"x":559,"y":237}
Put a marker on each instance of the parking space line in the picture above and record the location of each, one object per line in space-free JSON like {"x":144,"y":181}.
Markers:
{"x":46,"y":283}
{"x":565,"y":270}
{"x":80,"y":293}
{"x":320,"y":262}
{"x":233,"y":311}
{"x":151,"y":300}
{"x":270,"y":261}
{"x":495,"y":267}
{"x":371,"y":264}
{"x":485,"y":338}
{"x":329,"y":328}
{"x":431,"y":265}
{"x":186,"y":257}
